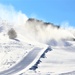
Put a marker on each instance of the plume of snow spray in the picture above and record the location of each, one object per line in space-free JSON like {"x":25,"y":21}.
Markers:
{"x":31,"y":28}
{"x":45,"y":32}
{"x":9,"y":17}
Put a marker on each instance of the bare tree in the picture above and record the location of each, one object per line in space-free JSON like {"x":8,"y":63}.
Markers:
{"x":12,"y":33}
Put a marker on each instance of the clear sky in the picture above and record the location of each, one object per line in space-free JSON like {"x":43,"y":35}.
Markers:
{"x":55,"y":11}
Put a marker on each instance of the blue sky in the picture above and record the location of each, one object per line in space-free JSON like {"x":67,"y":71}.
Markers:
{"x":55,"y":11}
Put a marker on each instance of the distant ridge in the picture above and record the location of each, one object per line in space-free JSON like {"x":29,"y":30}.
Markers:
{"x":41,"y":21}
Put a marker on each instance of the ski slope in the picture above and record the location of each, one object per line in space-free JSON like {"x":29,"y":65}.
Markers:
{"x":19,"y":55}
{"x":26,"y":61}
{"x":34,"y":37}
{"x":26,"y":55}
{"x":59,"y":61}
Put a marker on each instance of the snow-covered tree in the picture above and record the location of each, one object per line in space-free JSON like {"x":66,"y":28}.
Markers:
{"x":12,"y":33}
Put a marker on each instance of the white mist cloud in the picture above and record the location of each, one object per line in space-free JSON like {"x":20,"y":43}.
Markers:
{"x":34,"y":30}
{"x":9,"y":15}
{"x":66,"y":25}
{"x":45,"y":33}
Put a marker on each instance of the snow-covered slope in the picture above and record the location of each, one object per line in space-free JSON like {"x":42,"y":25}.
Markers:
{"x":39,"y":48}
{"x":59,"y":60}
{"x":18,"y":56}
